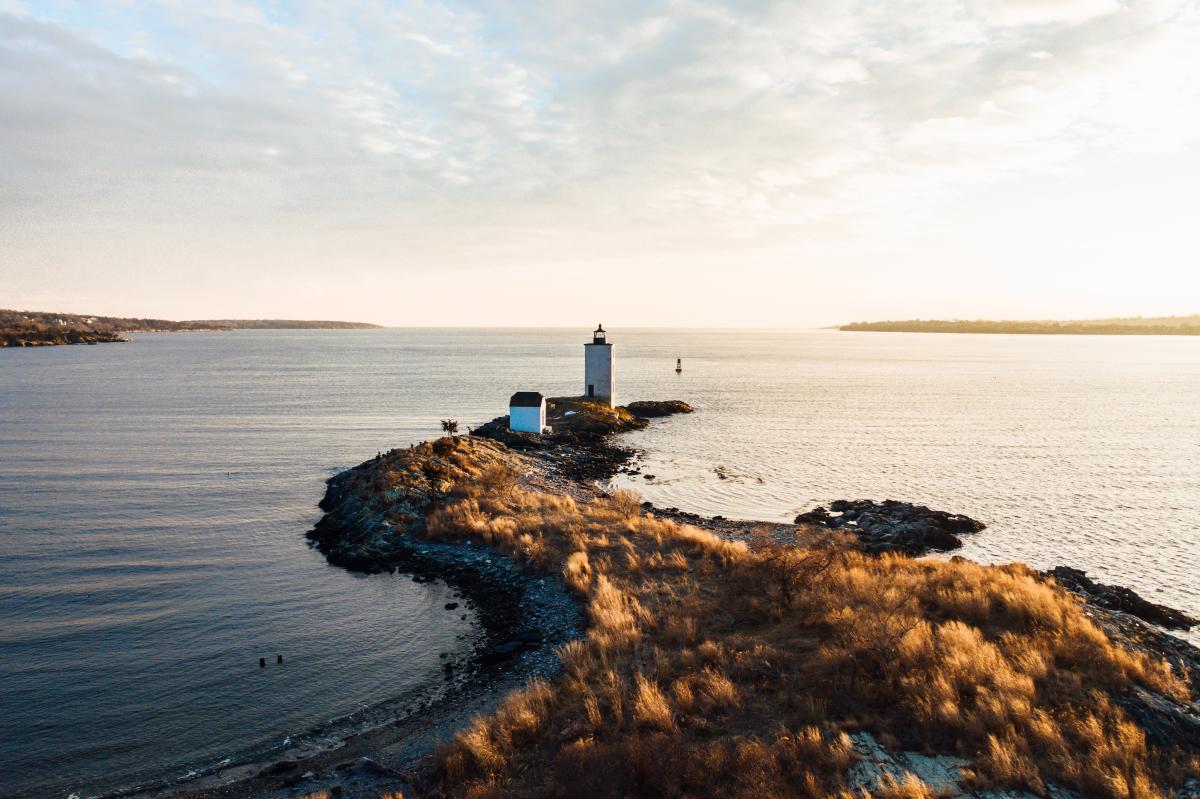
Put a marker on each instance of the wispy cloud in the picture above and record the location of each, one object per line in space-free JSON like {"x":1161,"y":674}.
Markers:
{"x":612,"y":128}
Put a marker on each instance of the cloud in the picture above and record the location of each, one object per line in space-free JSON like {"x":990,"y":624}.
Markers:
{"x":461,"y":133}
{"x":1035,"y":12}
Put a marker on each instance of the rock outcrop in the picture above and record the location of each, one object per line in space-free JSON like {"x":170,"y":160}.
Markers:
{"x":1166,"y":721}
{"x":573,"y":418}
{"x":1120,"y":598}
{"x":373,"y":510}
{"x":652,"y":409}
{"x":892,"y":526}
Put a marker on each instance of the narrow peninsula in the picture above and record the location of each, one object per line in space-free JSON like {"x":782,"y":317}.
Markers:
{"x":635,"y":651}
{"x":44,"y":328}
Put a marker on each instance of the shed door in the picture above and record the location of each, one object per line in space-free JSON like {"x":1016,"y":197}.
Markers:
{"x":591,"y":390}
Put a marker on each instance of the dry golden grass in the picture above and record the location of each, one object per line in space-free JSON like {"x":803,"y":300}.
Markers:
{"x":651,"y":710}
{"x":910,"y":787}
{"x":712,"y":668}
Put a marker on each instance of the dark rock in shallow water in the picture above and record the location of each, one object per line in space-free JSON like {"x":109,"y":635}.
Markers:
{"x":1125,"y":600}
{"x":892,"y":526}
{"x":650,"y":409}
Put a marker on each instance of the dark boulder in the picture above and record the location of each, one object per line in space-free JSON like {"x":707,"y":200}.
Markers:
{"x":892,"y":526}
{"x":651,"y":409}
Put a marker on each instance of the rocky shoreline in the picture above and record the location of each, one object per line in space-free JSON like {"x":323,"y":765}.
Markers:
{"x":522,"y":619}
{"x":517,"y":612}
{"x":48,"y":329}
{"x":374,"y":522}
{"x":1119,"y":599}
{"x":35,"y":338}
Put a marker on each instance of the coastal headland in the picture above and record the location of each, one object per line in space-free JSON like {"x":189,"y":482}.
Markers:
{"x":628,"y":650}
{"x":43,"y":328}
{"x":1117,"y":326}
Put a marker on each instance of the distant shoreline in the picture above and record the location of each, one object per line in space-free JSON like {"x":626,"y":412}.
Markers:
{"x":1130,"y":326}
{"x":48,"y":329}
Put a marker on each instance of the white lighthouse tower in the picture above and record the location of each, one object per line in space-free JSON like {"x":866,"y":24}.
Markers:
{"x":599,"y":369}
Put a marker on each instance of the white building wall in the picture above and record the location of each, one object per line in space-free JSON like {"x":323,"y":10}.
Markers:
{"x":527,"y":420}
{"x":599,"y":372}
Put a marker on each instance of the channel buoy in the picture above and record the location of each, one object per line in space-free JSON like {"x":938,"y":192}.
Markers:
{"x":678,"y":366}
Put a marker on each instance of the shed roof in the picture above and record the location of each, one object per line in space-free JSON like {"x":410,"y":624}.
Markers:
{"x":526,"y":399}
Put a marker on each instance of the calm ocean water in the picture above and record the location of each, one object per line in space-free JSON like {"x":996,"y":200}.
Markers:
{"x":1077,"y":450}
{"x":154,"y":497}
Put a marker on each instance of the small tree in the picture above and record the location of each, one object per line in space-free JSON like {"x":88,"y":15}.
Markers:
{"x":450,"y":427}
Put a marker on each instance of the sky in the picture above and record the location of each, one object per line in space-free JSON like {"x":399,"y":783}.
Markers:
{"x":756,"y":163}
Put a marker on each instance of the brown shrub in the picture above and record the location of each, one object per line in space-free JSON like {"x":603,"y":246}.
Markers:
{"x":577,"y":573}
{"x":650,"y":707}
{"x":498,"y":479}
{"x":626,"y":502}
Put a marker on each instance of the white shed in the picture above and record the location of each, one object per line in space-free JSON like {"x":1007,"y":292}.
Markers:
{"x":527,"y":412}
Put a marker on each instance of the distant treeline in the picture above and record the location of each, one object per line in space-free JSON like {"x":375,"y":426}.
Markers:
{"x":1129,"y":326}
{"x":277,"y":324}
{"x":41,"y":328}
